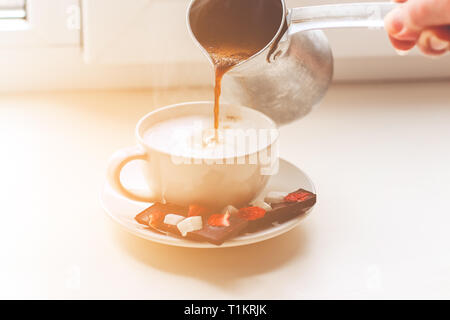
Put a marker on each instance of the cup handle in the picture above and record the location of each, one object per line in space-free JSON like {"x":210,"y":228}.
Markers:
{"x":115,"y":166}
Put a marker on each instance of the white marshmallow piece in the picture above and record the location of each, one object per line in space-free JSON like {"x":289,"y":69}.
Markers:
{"x":190,"y":224}
{"x":173,"y":219}
{"x":275,"y":197}
{"x":232,"y":210}
{"x":262,"y":204}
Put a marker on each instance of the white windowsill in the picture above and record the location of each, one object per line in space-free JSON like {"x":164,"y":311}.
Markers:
{"x":11,"y":25}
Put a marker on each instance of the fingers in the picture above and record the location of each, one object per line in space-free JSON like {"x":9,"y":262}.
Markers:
{"x":422,"y":14}
{"x":406,"y":25}
{"x":402,"y":45}
{"x":434,"y":41}
{"x":401,"y":37}
{"x":411,"y":17}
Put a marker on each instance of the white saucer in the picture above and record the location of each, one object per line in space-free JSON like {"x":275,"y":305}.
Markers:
{"x":123,"y":211}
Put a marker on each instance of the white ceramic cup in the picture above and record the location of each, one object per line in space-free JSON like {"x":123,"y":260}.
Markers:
{"x":235,"y":180}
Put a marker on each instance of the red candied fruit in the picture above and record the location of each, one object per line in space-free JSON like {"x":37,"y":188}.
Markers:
{"x":195,"y":210}
{"x":298,"y":196}
{"x":251,"y":213}
{"x":219,"y":220}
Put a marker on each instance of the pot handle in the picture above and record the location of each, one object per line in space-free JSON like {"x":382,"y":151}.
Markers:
{"x":346,"y":15}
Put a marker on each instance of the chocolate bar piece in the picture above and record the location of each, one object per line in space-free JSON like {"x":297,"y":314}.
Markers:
{"x":218,"y":235}
{"x":154,"y":215}
{"x":211,"y":234}
{"x":302,"y":197}
{"x":295,"y":204}
{"x":247,"y":220}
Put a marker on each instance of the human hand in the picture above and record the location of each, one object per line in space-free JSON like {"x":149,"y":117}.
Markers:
{"x":425,"y":23}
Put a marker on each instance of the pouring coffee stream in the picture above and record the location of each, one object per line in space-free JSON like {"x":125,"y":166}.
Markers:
{"x":277,"y":60}
{"x":232,"y":31}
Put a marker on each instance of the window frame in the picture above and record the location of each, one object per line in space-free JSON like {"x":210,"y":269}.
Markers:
{"x":44,"y":25}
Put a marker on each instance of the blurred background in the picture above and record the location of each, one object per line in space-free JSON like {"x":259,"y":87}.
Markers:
{"x":88,"y":44}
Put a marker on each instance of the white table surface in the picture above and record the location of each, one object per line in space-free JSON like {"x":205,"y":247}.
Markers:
{"x":379,"y":155}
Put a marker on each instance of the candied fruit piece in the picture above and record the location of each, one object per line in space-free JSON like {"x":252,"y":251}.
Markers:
{"x":219,"y":220}
{"x":299,"y":196}
{"x":251,"y":213}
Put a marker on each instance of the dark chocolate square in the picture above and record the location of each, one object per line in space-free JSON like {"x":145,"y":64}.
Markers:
{"x":218,"y":235}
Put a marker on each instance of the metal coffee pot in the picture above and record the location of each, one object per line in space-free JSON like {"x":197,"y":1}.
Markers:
{"x":299,"y":72}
